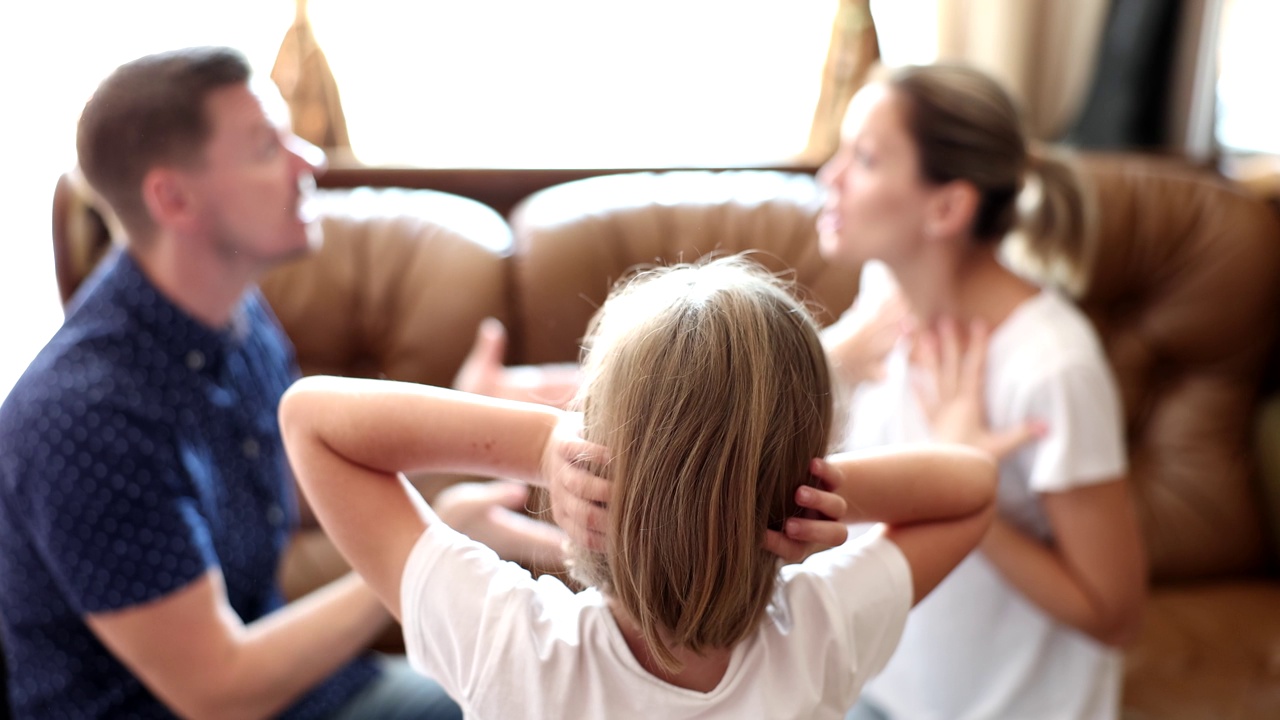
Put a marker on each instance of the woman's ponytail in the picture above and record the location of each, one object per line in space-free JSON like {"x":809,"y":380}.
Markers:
{"x":1053,"y":239}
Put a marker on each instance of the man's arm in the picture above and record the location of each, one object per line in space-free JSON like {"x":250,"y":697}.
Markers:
{"x":192,"y":650}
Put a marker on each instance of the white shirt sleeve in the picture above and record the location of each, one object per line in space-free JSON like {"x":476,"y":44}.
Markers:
{"x":1084,"y":444}
{"x":461,"y":605}
{"x":865,"y":588}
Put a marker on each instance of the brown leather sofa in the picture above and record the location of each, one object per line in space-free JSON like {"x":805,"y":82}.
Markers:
{"x":1184,"y":292}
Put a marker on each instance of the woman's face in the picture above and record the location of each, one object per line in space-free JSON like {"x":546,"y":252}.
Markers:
{"x":876,"y":197}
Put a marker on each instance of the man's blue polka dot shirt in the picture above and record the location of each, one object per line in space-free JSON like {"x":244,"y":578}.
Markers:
{"x":138,"y":452}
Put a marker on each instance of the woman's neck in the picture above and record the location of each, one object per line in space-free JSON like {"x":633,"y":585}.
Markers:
{"x":969,"y":286}
{"x":702,"y":673}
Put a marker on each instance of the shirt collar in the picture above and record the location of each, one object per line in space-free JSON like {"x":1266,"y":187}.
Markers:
{"x":192,"y":343}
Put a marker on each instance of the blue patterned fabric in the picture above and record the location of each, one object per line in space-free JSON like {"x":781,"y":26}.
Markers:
{"x":139,"y":451}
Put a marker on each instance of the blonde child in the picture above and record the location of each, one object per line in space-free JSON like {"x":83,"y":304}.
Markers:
{"x":710,"y":389}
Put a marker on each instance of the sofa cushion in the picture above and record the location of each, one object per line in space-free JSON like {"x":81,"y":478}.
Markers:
{"x":574,"y":240}
{"x":1184,"y":292}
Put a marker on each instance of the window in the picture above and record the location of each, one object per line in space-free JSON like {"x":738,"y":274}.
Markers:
{"x":576,"y":83}
{"x":1248,"y":107}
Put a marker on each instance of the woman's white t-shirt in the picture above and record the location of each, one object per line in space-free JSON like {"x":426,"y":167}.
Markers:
{"x":507,"y":646}
{"x":975,"y":647}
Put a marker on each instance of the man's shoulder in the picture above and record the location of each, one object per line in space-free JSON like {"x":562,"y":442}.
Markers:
{"x":84,"y":376}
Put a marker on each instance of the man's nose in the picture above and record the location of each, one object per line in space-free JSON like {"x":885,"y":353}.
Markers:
{"x":313,"y":156}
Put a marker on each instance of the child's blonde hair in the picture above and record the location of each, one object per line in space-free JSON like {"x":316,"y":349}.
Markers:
{"x":710,"y":387}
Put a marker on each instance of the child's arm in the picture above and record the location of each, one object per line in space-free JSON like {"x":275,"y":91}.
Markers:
{"x":937,"y":500}
{"x":348,"y":440}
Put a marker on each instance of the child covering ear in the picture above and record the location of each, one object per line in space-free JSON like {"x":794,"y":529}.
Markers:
{"x":707,"y":405}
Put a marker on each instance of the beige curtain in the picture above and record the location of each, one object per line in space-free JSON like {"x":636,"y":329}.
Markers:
{"x":1044,"y":51}
{"x":852,"y":54}
{"x":302,"y":73}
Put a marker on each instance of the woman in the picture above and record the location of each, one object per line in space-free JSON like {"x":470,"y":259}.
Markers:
{"x":923,"y":192}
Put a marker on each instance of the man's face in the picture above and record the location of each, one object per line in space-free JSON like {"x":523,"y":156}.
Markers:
{"x":255,"y":179}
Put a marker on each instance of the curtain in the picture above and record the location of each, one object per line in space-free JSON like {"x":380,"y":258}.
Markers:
{"x":1044,"y":51}
{"x":302,"y":73}
{"x":853,"y":52}
{"x":1130,"y":99}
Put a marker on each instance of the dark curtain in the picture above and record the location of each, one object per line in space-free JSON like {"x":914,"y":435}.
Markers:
{"x":1127,"y":105}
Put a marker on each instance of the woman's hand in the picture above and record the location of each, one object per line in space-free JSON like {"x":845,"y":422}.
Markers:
{"x":951,"y":390}
{"x":859,"y":341}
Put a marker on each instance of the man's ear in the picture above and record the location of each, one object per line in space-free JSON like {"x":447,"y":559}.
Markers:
{"x":953,"y":209}
{"x":169,"y":200}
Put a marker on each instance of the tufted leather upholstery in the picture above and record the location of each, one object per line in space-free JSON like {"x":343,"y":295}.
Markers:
{"x":574,"y":240}
{"x":1184,"y":292}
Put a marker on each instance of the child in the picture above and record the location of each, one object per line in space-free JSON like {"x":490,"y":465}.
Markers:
{"x":709,"y":387}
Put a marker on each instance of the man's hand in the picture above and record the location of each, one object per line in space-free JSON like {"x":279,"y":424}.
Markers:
{"x":483,"y":373}
{"x":489,"y":512}
{"x":951,"y":390}
{"x":820,"y":528}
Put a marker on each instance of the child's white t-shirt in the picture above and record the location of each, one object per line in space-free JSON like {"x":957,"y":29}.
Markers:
{"x":975,"y":647}
{"x":507,"y":646}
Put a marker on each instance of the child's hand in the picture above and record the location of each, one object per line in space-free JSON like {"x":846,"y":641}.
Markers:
{"x":818,"y":529}
{"x":573,"y":470}
{"x":951,"y":390}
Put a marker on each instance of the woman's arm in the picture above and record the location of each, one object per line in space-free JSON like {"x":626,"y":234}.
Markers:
{"x":349,"y":439}
{"x":1094,"y":576}
{"x":937,"y":500}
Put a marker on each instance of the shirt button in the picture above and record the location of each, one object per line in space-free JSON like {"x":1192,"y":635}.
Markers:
{"x":250,"y":448}
{"x":195,"y":359}
{"x":275,"y":516}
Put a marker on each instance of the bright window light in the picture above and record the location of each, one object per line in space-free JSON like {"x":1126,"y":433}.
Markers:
{"x":576,"y":83}
{"x":1248,"y":105}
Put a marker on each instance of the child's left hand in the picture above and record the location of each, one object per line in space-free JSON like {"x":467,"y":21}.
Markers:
{"x":573,"y":470}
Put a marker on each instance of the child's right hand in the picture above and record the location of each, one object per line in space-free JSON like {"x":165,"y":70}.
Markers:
{"x":820,"y":528}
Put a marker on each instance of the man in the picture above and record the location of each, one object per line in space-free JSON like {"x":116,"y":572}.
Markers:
{"x":144,"y":492}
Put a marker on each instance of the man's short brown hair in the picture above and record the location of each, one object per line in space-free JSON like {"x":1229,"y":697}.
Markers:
{"x":150,"y":112}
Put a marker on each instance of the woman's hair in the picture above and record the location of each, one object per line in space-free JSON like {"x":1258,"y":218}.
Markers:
{"x":966,"y":127}
{"x":710,"y":387}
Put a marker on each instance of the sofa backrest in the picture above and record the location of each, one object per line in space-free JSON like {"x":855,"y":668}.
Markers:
{"x":573,"y":241}
{"x":1184,"y":294}
{"x":396,"y":290}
